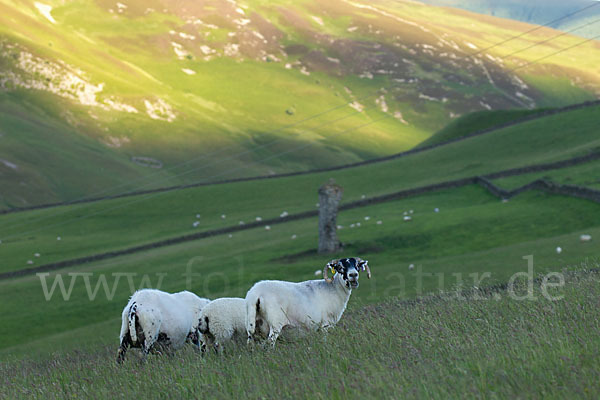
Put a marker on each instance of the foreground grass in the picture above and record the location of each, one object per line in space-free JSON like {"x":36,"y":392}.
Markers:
{"x":484,"y":345}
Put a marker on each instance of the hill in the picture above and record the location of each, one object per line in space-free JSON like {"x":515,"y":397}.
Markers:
{"x":476,"y":122}
{"x":211,"y":89}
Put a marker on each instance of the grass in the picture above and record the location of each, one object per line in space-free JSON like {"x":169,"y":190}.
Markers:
{"x":484,"y":345}
{"x":474,"y":122}
{"x":121,"y":223}
{"x":581,"y":175}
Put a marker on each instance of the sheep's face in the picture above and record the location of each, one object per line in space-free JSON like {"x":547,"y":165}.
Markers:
{"x":348,"y":270}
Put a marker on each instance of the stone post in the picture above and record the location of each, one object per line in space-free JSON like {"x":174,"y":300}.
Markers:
{"x":330,"y":196}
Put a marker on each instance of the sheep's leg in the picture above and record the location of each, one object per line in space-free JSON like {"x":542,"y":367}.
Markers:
{"x":204,"y":342}
{"x":125,"y":342}
{"x":148,"y":343}
{"x":274,"y":333}
{"x":218,"y":347}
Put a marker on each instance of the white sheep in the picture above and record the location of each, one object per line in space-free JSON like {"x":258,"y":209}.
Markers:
{"x":221,"y":320}
{"x":308,"y":305}
{"x":155,"y":317}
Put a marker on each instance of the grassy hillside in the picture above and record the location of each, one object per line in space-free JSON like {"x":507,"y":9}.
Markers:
{"x":581,"y":175}
{"x":116,"y":224}
{"x":486,"y":345}
{"x":161,"y":83}
{"x":474,"y":122}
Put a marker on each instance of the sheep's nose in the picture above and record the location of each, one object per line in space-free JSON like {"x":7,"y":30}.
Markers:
{"x":353,"y":275}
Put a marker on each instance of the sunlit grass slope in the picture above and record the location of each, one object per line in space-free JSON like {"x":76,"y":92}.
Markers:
{"x":214,"y":79}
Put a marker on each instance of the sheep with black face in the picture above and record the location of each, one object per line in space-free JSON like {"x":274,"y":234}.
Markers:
{"x":310,"y":305}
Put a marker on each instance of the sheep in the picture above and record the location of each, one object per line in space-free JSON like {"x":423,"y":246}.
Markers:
{"x":155,"y":317}
{"x":308,"y":305}
{"x":221,"y":320}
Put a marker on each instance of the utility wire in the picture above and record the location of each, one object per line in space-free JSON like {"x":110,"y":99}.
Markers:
{"x":550,"y":39}
{"x":555,"y":53}
{"x":536,"y":28}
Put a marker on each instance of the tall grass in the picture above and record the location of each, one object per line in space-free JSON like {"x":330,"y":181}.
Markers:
{"x":483,"y":344}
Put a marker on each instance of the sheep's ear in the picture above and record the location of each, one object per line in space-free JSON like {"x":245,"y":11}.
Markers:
{"x":363,"y":265}
{"x":332,"y":266}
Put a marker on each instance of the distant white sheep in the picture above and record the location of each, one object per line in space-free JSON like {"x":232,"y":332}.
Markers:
{"x":155,"y":317}
{"x":585,"y":238}
{"x":222,"y":320}
{"x":308,"y":305}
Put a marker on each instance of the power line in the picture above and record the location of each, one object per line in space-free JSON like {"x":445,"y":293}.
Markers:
{"x":204,"y":156}
{"x":550,"y":39}
{"x":556,"y":52}
{"x":536,"y":28}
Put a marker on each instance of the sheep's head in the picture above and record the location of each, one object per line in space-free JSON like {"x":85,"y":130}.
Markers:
{"x":348,"y":268}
